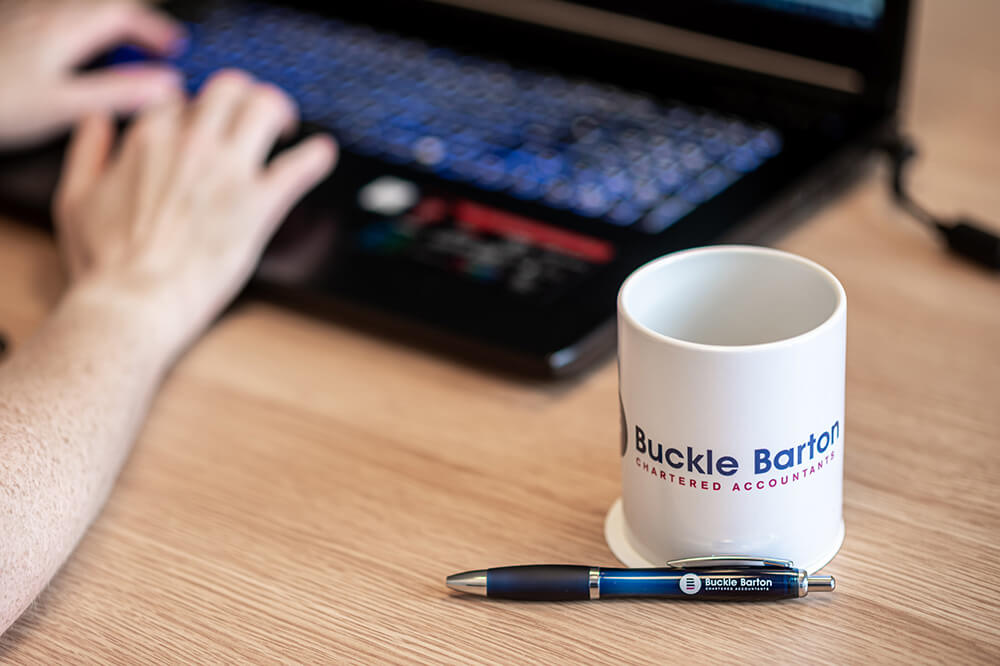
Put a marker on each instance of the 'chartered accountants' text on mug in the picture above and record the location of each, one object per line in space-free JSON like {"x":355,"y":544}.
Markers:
{"x":701,"y":468}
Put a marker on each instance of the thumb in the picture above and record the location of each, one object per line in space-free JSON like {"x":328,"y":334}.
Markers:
{"x":120,"y":90}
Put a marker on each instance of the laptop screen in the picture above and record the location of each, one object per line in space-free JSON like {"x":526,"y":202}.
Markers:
{"x":864,"y":35}
{"x":856,"y":14}
{"x":863,"y":14}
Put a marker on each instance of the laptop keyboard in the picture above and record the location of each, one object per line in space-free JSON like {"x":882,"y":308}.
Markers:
{"x":572,"y":144}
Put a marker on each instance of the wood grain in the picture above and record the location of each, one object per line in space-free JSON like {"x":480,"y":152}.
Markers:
{"x":301,"y":490}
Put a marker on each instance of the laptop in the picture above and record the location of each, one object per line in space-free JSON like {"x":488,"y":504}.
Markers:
{"x":507,"y":163}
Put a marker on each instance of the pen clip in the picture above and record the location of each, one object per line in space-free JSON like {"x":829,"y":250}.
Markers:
{"x":710,"y":561}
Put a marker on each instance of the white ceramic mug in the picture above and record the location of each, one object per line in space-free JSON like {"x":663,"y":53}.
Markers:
{"x":731,"y":370}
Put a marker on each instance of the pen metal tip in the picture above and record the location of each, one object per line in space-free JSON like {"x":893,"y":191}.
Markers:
{"x":470,"y":582}
{"x":821,"y":583}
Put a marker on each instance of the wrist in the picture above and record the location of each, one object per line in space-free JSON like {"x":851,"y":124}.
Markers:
{"x":132,"y":317}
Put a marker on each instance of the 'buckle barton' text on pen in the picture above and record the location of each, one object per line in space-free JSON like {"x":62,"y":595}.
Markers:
{"x":763,"y":460}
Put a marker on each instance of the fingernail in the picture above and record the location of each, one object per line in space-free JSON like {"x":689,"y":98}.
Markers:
{"x":333,"y":150}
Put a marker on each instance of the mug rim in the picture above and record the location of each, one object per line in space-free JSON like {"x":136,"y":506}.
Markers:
{"x":838,"y":311}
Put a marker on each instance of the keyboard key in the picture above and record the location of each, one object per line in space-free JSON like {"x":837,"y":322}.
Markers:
{"x":646,"y":193}
{"x":766,"y":143}
{"x":489,"y":171}
{"x":716,"y":180}
{"x":694,"y":192}
{"x":624,"y":214}
{"x":742,"y":159}
{"x":430,"y":151}
{"x":560,"y":193}
{"x":592,"y":200}
{"x":671,"y":178}
{"x":665,"y":215}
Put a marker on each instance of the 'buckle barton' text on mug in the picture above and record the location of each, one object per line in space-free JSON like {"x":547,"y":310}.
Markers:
{"x":763,"y":461}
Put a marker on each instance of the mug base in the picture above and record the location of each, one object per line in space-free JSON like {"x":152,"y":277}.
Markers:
{"x":614,"y":534}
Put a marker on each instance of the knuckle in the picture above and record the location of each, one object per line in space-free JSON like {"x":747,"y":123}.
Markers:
{"x":272,"y":100}
{"x":114,"y":12}
{"x":228,"y":79}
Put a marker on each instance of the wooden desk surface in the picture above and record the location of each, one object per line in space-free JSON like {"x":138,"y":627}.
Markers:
{"x":301,"y":490}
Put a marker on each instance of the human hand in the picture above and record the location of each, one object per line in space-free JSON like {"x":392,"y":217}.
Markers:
{"x":43,"y":41}
{"x":172,"y":223}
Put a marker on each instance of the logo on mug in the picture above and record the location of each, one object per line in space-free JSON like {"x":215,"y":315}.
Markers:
{"x":690,"y":583}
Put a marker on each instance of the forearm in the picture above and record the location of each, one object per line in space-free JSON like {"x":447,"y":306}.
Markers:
{"x":71,"y":402}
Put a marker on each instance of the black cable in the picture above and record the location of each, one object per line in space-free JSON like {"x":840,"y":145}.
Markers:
{"x":965,"y":237}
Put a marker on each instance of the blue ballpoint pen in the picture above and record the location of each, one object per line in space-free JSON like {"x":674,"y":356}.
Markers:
{"x":714,"y":578}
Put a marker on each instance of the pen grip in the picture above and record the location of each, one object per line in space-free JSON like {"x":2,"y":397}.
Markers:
{"x":539,"y":582}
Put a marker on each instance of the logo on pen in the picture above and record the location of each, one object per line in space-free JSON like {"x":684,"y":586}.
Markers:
{"x":690,"y":583}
